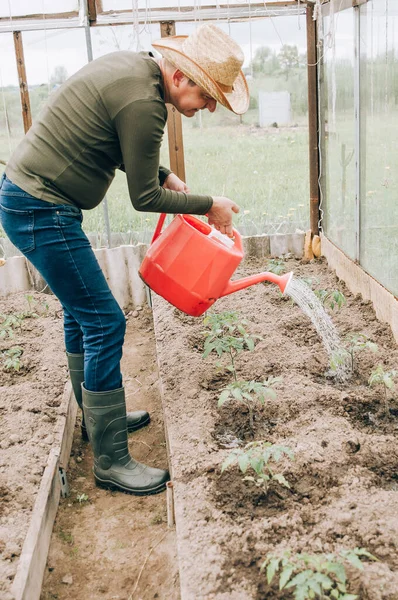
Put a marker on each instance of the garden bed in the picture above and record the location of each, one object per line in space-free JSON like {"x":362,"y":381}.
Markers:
{"x":343,"y":480}
{"x":104,"y":544}
{"x":33,"y":375}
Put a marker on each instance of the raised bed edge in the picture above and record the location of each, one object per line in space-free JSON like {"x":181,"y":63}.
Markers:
{"x":32,"y":562}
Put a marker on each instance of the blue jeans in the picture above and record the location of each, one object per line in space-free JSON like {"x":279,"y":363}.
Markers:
{"x":51,"y":237}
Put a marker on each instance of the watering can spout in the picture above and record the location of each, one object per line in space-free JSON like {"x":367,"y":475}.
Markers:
{"x":282,"y":281}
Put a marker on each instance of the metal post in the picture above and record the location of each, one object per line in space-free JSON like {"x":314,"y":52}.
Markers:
{"x":89,"y":47}
{"x":357,"y":148}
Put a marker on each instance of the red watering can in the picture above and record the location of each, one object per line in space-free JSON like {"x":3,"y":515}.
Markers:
{"x":190,"y":265}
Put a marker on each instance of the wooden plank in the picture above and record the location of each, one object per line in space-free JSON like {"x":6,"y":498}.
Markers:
{"x":92,"y":11}
{"x":23,"y":84}
{"x":312,"y":73}
{"x":339,"y":5}
{"x":40,"y":16}
{"x":32,"y":563}
{"x":174,"y":122}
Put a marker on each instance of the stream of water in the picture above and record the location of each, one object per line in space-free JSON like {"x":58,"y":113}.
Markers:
{"x":305,"y":298}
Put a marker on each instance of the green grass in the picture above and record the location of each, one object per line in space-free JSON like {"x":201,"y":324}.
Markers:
{"x":264,"y":171}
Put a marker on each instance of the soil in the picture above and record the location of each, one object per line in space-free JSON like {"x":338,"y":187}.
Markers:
{"x":343,"y":480}
{"x":108,"y":545}
{"x":105,"y":545}
{"x":30,"y":400}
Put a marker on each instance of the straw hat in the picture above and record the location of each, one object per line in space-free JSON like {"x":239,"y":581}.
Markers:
{"x":213,"y":61}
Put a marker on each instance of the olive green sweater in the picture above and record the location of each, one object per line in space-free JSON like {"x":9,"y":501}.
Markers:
{"x":111,"y":114}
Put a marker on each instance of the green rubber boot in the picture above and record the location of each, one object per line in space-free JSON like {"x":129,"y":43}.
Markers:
{"x":114,"y":468}
{"x":135,"y":420}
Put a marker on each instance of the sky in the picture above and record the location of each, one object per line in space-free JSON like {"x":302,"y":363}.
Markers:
{"x":47,"y":49}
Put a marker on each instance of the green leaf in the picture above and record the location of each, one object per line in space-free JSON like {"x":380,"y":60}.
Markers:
{"x":243,"y":462}
{"x":349,"y":597}
{"x":300,"y":578}
{"x":223,"y":397}
{"x":250,"y":344}
{"x":323,"y":580}
{"x":207,"y":351}
{"x":338,"y":569}
{"x":364,"y":552}
{"x":272,"y":569}
{"x":230,"y":460}
{"x":280,"y":479}
{"x":236,"y":392}
{"x":285,"y":576}
{"x":355,"y":561}
{"x":257,"y":464}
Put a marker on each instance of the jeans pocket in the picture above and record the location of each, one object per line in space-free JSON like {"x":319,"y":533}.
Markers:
{"x":67,"y":216}
{"x":19,"y":227}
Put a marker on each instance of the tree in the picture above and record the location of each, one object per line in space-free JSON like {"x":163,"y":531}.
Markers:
{"x":265,"y":61}
{"x":288,"y":59}
{"x":58,"y":76}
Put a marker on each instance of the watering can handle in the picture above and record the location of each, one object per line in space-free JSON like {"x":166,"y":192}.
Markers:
{"x":159,"y":226}
{"x":158,"y":231}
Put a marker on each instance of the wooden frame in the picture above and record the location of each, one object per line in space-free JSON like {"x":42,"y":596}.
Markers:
{"x":23,"y":84}
{"x":174,"y":121}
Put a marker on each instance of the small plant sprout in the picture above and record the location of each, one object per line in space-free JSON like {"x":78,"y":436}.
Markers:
{"x":276,"y":266}
{"x":385,"y":378}
{"x":81,"y":498}
{"x":257,"y":456}
{"x":11,"y":358}
{"x":250,"y":394}
{"x":7,"y":325}
{"x":227,"y":335}
{"x":31,"y":302}
{"x":331,"y":298}
{"x":355,"y":343}
{"x":311,"y":576}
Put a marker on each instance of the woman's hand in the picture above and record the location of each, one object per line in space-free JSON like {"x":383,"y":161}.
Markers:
{"x":221,"y":213}
{"x":172,"y":182}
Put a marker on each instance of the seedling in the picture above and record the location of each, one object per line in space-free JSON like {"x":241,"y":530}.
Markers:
{"x":276,"y":266}
{"x":353,"y":343}
{"x":227,"y":335}
{"x":8,"y":323}
{"x":81,"y":498}
{"x":331,"y":298}
{"x":257,"y":456}
{"x":11,"y":358}
{"x":384,"y":378}
{"x":358,"y":342}
{"x":313,"y":576}
{"x":31,"y":302}
{"x":249,"y":393}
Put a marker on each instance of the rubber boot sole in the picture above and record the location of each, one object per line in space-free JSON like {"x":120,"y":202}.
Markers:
{"x":110,"y":485}
{"x":132,"y":427}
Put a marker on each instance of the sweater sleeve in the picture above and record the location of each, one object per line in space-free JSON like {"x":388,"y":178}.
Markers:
{"x":164,"y":172}
{"x":140,"y":127}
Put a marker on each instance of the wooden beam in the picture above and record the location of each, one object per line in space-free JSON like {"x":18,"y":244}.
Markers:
{"x":23,"y":84}
{"x":92,"y":11}
{"x":312,"y":71}
{"x":174,"y":122}
{"x":40,"y":16}
{"x":32,"y":562}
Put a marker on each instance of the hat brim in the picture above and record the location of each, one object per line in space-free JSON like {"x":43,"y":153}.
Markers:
{"x":171,"y":49}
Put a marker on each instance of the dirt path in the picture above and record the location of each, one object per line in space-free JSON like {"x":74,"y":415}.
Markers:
{"x":108,"y":545}
{"x":100,"y":543}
